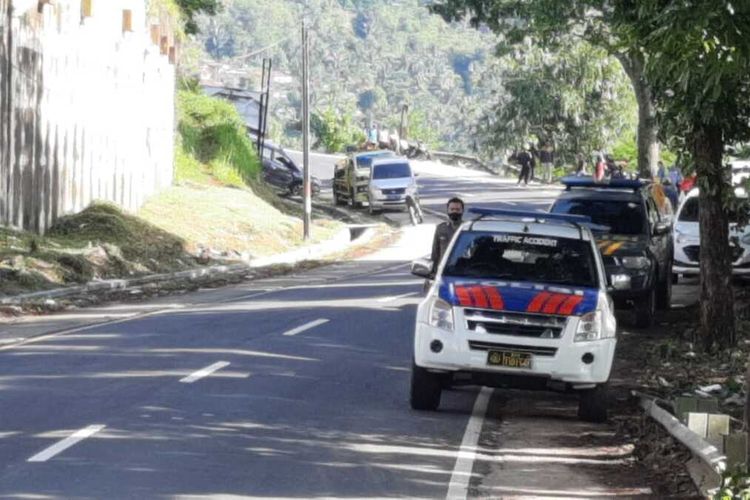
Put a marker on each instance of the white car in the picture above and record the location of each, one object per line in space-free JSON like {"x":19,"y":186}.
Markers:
{"x":520,"y":299}
{"x":687,"y":240}
{"x":391,"y":182}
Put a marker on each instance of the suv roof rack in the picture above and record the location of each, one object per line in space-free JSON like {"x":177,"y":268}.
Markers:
{"x":578,"y":221}
{"x":589,"y":182}
{"x":530,"y":214}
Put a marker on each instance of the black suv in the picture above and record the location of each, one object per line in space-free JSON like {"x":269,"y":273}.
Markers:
{"x":632,"y":222}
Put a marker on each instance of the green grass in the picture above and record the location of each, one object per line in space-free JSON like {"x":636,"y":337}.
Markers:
{"x":218,"y":202}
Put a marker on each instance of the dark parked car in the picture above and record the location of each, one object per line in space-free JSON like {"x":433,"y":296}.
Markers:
{"x":280,"y":171}
{"x":633,"y":228}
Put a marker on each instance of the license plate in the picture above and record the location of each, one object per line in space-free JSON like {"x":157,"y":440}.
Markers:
{"x":392,"y":197}
{"x":509,"y":359}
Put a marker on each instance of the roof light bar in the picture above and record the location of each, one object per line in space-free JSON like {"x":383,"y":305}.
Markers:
{"x":589,"y":182}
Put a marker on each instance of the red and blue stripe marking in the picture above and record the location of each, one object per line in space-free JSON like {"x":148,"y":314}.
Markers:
{"x":519,"y":297}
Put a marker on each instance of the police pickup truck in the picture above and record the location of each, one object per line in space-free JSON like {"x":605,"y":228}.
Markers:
{"x":519,"y":300}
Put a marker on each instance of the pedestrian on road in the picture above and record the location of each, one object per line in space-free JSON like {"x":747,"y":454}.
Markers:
{"x":675,"y":175}
{"x":600,"y":168}
{"x":671,"y":191}
{"x":526,"y":160}
{"x":547,"y":158}
{"x":661,"y":171}
{"x":445,"y":230}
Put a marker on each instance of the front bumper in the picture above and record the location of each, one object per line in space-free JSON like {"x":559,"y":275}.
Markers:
{"x":565,"y":365}
{"x":689,"y":265}
{"x":387,"y":201}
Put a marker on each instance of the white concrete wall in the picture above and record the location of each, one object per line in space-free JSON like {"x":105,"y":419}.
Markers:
{"x":86,"y":110}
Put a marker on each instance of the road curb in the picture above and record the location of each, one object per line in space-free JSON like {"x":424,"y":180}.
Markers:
{"x":708,"y":463}
{"x":361,"y":236}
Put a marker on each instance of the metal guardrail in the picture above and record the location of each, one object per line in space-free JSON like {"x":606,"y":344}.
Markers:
{"x":473,"y":162}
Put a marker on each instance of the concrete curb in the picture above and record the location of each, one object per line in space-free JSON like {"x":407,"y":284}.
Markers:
{"x":363,"y":234}
{"x":708,"y":464}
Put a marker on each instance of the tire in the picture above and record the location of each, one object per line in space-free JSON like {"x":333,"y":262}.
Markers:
{"x":593,"y":404}
{"x":425,"y":390}
{"x":336,"y":200}
{"x":354,"y":204}
{"x":645,"y":310}
{"x":664,"y":294}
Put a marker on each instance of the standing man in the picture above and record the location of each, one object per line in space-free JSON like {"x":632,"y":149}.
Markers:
{"x":526,"y":161}
{"x":546,"y":157}
{"x":445,"y":230}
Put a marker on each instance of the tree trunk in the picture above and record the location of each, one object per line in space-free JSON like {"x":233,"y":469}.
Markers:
{"x":717,"y":295}
{"x":647,"y":135}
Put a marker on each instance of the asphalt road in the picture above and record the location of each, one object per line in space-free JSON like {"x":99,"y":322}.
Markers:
{"x":438,"y":183}
{"x":294,"y":387}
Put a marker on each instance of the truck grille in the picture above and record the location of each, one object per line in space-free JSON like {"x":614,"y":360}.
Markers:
{"x":530,"y":349}
{"x":693,"y":252}
{"x":394,"y":191}
{"x":522,"y":325}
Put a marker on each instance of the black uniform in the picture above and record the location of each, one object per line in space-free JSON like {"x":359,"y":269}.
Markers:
{"x":443,"y":235}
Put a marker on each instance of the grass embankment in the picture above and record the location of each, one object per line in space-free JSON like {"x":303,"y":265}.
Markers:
{"x":217,"y":209}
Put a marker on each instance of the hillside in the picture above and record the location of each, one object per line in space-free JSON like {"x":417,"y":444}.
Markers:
{"x":368,"y":57}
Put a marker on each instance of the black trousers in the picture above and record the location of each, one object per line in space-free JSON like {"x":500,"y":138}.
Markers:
{"x":524,"y":175}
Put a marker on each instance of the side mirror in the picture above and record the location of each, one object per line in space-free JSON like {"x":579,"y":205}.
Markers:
{"x":661,"y":228}
{"x":422,"y":268}
{"x":619,"y":282}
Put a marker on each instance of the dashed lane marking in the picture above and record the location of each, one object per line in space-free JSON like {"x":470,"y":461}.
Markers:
{"x":305,"y":327}
{"x":204,"y":372}
{"x":394,"y":298}
{"x":66,"y":443}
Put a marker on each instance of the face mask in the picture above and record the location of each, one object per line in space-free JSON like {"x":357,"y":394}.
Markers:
{"x":455,"y":217}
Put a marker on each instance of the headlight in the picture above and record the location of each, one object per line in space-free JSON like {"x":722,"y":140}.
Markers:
{"x":441,"y":315}
{"x":745,"y":239}
{"x":639,"y":262}
{"x":589,"y":327}
{"x":678,"y":236}
{"x":411,"y":189}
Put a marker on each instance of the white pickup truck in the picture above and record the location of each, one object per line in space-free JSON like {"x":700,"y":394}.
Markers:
{"x":519,"y":300}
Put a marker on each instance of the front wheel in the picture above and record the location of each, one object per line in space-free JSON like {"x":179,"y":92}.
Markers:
{"x":425,"y":389}
{"x":593,"y":404}
{"x":645,"y":310}
{"x":664,"y":294}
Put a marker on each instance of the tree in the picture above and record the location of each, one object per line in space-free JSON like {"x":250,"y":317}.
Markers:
{"x":699,"y":66}
{"x":191,"y":8}
{"x":548,"y":23}
{"x":578,"y":99}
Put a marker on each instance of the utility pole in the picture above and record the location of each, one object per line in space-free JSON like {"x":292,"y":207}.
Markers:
{"x":307,"y":191}
{"x":403,"y":127}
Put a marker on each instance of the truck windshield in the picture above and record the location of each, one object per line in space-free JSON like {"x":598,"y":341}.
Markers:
{"x":391,"y":171}
{"x":622,"y":217}
{"x":523,"y":257}
{"x":365,"y":160}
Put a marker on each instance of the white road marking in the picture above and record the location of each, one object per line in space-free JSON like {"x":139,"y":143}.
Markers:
{"x":66,"y":443}
{"x":204,"y":372}
{"x":396,"y":297}
{"x":458,"y":488}
{"x":305,"y":327}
